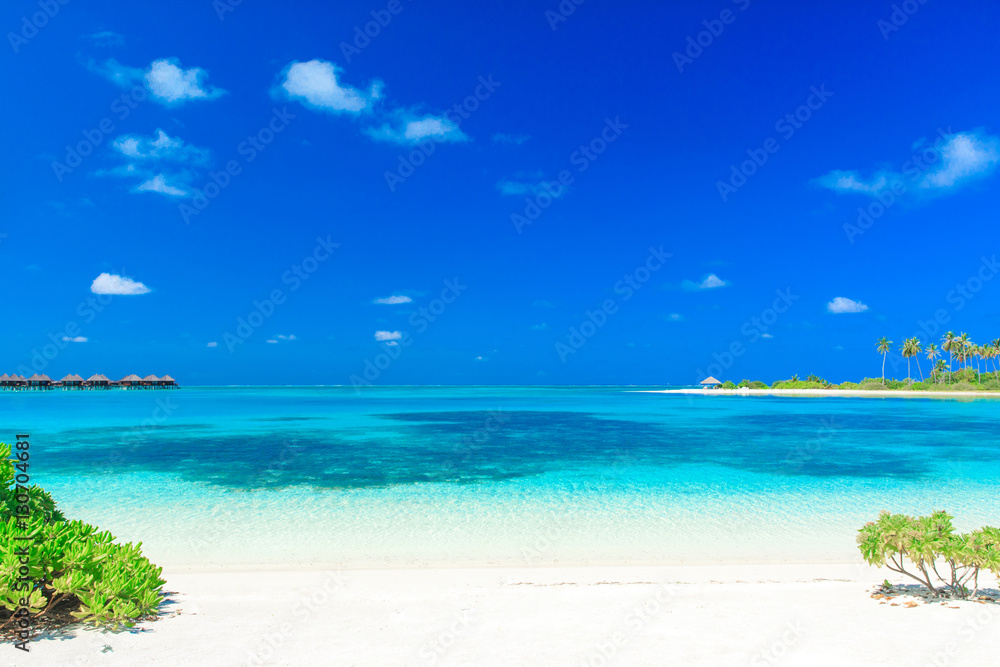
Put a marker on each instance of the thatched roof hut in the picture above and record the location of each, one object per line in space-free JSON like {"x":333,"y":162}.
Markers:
{"x":167,"y":380}
{"x":98,"y":380}
{"x":39,"y":380}
{"x":710,"y":383}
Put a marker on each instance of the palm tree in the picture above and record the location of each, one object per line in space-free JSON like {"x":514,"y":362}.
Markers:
{"x":883,"y":347}
{"x":978,"y":351}
{"x":987,"y":352}
{"x":932,"y":353}
{"x":940,"y":367}
{"x":948,"y":344}
{"x":916,"y":350}
{"x":907,"y":351}
{"x":963,"y":346}
{"x":996,"y":353}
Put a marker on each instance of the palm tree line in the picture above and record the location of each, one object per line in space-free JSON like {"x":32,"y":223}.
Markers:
{"x":960,"y":348}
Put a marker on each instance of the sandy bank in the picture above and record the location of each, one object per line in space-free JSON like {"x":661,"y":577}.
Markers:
{"x":686,"y":615}
{"x":851,"y":393}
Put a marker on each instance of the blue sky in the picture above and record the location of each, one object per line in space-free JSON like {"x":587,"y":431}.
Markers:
{"x":520,"y":193}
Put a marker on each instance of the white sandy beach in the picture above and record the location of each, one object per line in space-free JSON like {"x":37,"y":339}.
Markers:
{"x":813,"y":615}
{"x":849,"y":393}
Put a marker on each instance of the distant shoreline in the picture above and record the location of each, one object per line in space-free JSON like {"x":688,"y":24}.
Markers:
{"x":844,"y":393}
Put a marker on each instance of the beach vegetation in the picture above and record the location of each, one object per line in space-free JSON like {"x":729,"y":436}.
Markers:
{"x":928,"y":550}
{"x":728,"y":384}
{"x":55,"y":572}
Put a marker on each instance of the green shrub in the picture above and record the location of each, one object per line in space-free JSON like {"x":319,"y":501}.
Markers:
{"x":920,"y":386}
{"x":728,"y":385}
{"x":757,"y":384}
{"x":78,"y":572}
{"x":932,"y":546}
{"x":743,"y":384}
{"x":798,"y":384}
{"x":849,"y":385}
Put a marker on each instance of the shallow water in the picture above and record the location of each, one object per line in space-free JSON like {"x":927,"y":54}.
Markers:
{"x":290,"y":476}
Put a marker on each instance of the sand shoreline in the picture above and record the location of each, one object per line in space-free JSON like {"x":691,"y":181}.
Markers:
{"x":843,"y":393}
{"x":805,"y":614}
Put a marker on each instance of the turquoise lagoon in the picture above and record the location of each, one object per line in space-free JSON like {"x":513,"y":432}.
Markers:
{"x":290,"y":477}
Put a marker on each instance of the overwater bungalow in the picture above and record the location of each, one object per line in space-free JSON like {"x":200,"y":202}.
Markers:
{"x":98,"y":381}
{"x":37,"y":381}
{"x":72,"y":380}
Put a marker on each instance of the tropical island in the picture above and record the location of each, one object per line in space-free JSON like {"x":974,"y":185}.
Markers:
{"x":967,"y":369}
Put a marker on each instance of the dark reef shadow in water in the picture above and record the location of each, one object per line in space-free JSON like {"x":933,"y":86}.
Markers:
{"x":474,"y":446}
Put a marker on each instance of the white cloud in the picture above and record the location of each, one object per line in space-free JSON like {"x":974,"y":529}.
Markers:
{"x":952,"y":161}
{"x":393,"y":300}
{"x":387,"y":335}
{"x":105,"y":38}
{"x":110,"y":283}
{"x":159,"y":147}
{"x":144,"y":152}
{"x":539,"y":327}
{"x":159,"y":184}
{"x":284,"y":337}
{"x":166,"y":80}
{"x":522,"y":188}
{"x":315,"y":84}
{"x":212,"y":344}
{"x":964,"y":156}
{"x":844,"y":305}
{"x":675,"y":317}
{"x":405,"y":127}
{"x":517,"y":139}
{"x":711,"y":281}
{"x":479,"y":358}
{"x":851,"y":181}
{"x":767,"y":335}
{"x":75,"y":339}
{"x":271,"y":340}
